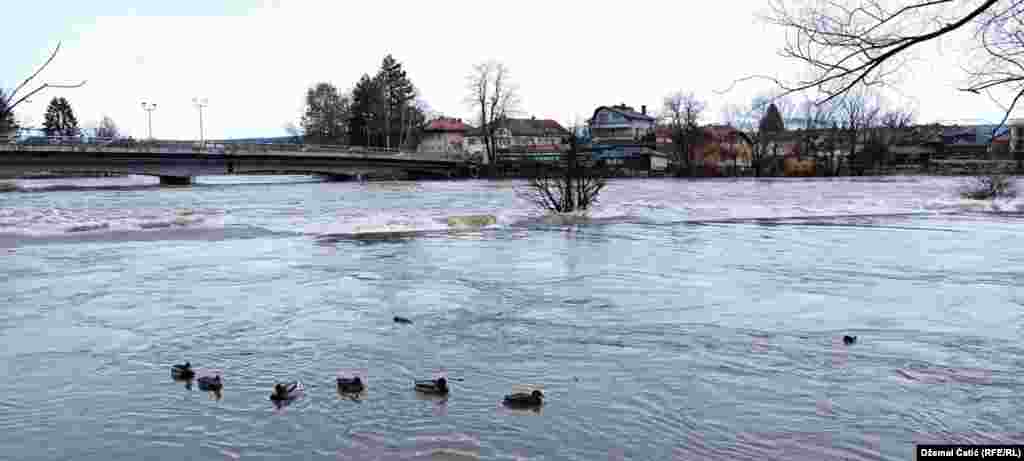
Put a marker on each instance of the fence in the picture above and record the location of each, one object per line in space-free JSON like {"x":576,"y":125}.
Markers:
{"x":87,"y":144}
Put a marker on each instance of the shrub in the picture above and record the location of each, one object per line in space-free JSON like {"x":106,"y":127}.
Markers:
{"x":989,"y":187}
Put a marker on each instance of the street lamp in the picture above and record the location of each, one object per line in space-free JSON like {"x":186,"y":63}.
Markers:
{"x":200,"y":104}
{"x":149,"y":108}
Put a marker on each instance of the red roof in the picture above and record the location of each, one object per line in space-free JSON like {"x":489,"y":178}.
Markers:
{"x":446,"y":124}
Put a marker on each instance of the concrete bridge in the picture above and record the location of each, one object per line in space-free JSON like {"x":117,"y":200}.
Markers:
{"x":177,"y":162}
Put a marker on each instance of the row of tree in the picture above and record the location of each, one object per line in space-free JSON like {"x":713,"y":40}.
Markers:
{"x":821,"y":127}
{"x":59,"y":120}
{"x":383,"y":111}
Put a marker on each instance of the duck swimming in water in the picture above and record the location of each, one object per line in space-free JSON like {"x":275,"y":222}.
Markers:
{"x":351,"y":385}
{"x":182,"y":371}
{"x":847,"y":339}
{"x":285,"y":392}
{"x":210,"y":383}
{"x":524,"y":400}
{"x":433,"y":386}
{"x":402,"y":320}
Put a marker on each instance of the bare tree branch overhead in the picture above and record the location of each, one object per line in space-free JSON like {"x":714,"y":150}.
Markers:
{"x":9,"y":106}
{"x":843,"y":45}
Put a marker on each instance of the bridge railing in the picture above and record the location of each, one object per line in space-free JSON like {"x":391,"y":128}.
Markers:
{"x":89,"y":144}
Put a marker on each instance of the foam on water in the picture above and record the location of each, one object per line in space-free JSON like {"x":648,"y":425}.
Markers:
{"x":43,"y":222}
{"x":86,"y":183}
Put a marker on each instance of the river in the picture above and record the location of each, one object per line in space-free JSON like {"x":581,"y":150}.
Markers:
{"x":684,"y":320}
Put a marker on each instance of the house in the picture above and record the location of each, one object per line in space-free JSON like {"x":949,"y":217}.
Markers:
{"x":621,"y":124}
{"x":444,"y":134}
{"x":630,"y":160}
{"x":521,"y":136}
{"x":720,"y":148}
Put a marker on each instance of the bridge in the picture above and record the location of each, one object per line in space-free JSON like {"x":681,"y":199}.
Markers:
{"x":177,"y":162}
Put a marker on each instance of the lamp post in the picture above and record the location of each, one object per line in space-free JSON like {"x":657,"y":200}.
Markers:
{"x":149,"y":108}
{"x":200,"y":104}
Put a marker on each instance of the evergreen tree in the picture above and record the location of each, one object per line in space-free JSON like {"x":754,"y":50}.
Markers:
{"x":60,"y":119}
{"x":7,"y":123}
{"x":397,"y":92}
{"x":367,"y":121}
{"x":325,"y":120}
{"x":772,"y":120}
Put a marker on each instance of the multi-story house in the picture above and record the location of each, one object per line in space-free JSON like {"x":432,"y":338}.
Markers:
{"x":621,"y":125}
{"x":521,"y":136}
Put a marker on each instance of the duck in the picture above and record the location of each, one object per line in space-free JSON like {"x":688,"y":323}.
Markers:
{"x":351,"y":385}
{"x":847,"y":339}
{"x":433,"y":386}
{"x":210,"y":383}
{"x":284,"y":392}
{"x":402,"y":320}
{"x":522,"y":399}
{"x":182,"y":371}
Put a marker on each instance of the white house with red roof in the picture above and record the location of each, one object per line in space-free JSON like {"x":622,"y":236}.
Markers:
{"x":444,"y":135}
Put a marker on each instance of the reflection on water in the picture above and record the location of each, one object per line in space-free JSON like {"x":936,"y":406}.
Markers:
{"x":684,"y":320}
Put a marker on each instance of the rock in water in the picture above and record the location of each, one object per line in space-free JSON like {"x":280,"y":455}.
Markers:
{"x":472,"y":221}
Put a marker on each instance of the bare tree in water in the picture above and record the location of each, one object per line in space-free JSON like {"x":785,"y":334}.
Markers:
{"x":575,"y":189}
{"x":11,"y":100}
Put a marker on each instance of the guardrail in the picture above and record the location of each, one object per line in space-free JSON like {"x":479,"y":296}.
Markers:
{"x":87,"y":144}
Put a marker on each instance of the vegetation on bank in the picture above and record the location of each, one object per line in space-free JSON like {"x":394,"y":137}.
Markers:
{"x":989,"y":187}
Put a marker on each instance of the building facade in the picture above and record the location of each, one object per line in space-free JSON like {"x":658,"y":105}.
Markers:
{"x":621,"y":124}
{"x":444,"y":134}
{"x":517,"y":136}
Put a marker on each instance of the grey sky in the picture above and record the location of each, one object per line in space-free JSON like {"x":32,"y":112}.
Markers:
{"x":254,"y":59}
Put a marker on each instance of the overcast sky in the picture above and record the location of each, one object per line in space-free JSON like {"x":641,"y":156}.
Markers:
{"x":254,"y":59}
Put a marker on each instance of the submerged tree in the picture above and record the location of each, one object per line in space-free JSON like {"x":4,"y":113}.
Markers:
{"x":575,"y":189}
{"x":60,"y":119}
{"x":325,"y":120}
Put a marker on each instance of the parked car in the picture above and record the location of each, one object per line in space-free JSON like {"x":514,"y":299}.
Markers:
{"x":34,"y":141}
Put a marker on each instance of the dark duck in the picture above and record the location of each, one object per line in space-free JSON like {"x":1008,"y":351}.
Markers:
{"x":524,"y":400}
{"x":286,"y":392}
{"x":210,"y":383}
{"x":847,"y":339}
{"x":352,"y":385}
{"x":182,"y":371}
{"x":437,"y":386}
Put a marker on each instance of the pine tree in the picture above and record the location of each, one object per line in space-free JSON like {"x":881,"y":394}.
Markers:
{"x":325,"y":120}
{"x":60,"y":119}
{"x":397,"y":92}
{"x":7,"y":123}
{"x":367,"y":114}
{"x":772,"y":120}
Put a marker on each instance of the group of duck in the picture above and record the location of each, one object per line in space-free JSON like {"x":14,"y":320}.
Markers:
{"x":285,"y":392}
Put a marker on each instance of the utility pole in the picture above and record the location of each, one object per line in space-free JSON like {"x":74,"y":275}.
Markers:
{"x":200,"y":104}
{"x":149,"y":108}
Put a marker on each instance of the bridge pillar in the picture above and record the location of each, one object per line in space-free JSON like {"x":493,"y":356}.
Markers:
{"x":175,"y":181}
